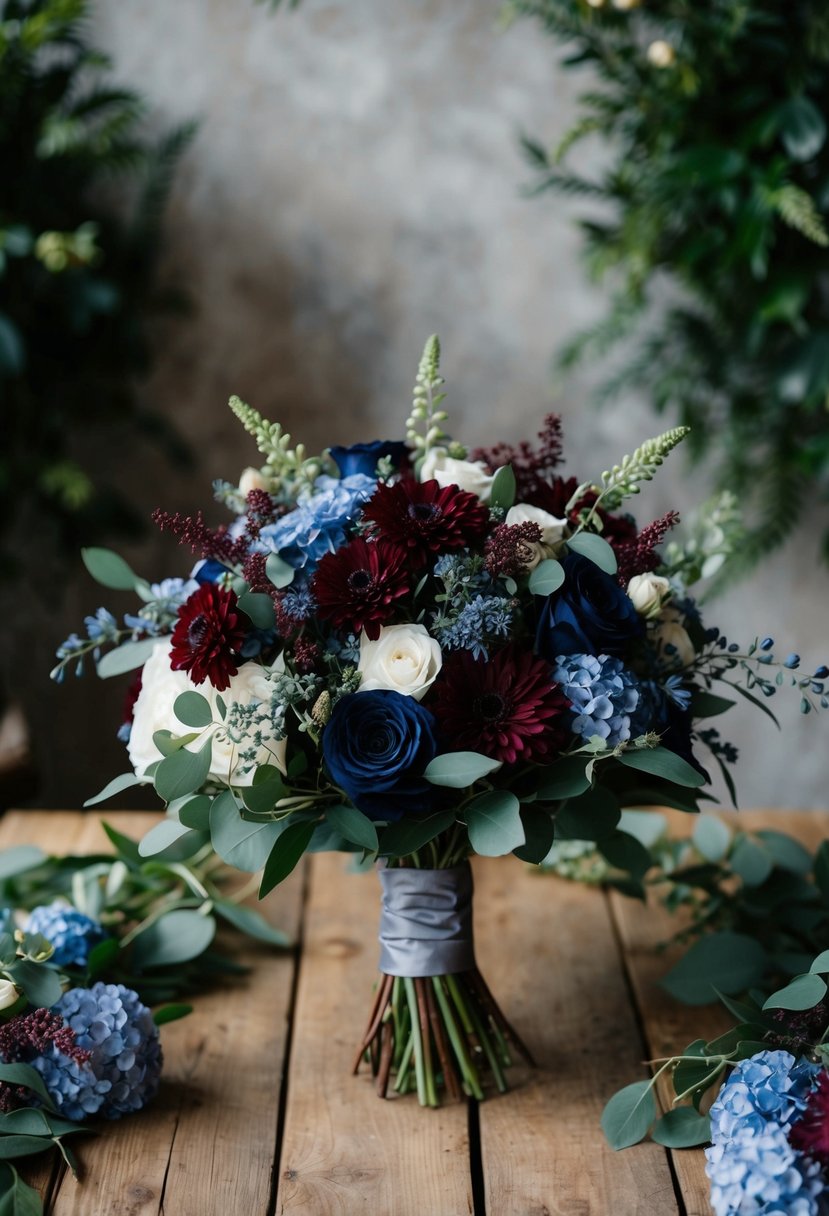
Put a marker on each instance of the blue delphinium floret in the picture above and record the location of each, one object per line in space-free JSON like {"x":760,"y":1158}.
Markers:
{"x":123,"y":1072}
{"x":318,"y":524}
{"x":762,"y":1175}
{"x":603,"y":695}
{"x":771,"y":1085}
{"x":70,"y":932}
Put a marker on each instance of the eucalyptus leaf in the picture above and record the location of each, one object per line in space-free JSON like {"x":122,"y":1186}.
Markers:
{"x":285,"y":855}
{"x":494,"y":823}
{"x":19,"y":858}
{"x":594,"y":815}
{"x":23,"y":1146}
{"x":821,"y":964}
{"x":193,"y":709}
{"x":17,"y":1198}
{"x":711,"y":837}
{"x":751,"y":861}
{"x":628,"y":1116}
{"x":196,"y":813}
{"x":547,"y":577}
{"x":41,"y":985}
{"x":708,"y":705}
{"x":354,"y":826}
{"x":596,"y":549}
{"x":407,"y":835}
{"x":625,"y":852}
{"x":682,"y":1127}
{"x":786,"y":852}
{"x":502,"y":492}
{"x":661,"y":762}
{"x":539,"y":832}
{"x":258,"y":606}
{"x":565,"y":779}
{"x":183,"y":773}
{"x":176,"y":937}
{"x":724,"y":961}
{"x":160,"y":836}
{"x":248,"y":920}
{"x":238,"y":841}
{"x":116,"y":786}
{"x":109,"y":569}
{"x":171,"y":1013}
{"x":804,"y":992}
{"x":278,"y":571}
{"x":125,"y":657}
{"x":457,"y":770}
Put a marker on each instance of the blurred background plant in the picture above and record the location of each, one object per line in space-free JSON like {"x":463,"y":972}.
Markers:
{"x":709,"y":218}
{"x":77,"y":281}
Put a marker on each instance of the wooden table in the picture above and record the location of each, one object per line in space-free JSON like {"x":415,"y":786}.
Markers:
{"x":258,"y":1113}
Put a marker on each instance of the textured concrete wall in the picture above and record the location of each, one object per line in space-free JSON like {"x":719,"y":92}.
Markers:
{"x":355,"y":186}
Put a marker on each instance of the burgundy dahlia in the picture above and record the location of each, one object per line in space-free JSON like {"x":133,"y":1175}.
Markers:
{"x":358,"y":586}
{"x":507,"y":707}
{"x":810,"y":1133}
{"x":424,"y":518}
{"x":208,"y":637}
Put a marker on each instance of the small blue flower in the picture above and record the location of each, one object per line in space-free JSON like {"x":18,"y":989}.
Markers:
{"x":485,"y":619}
{"x":603,"y":695}
{"x":70,"y":932}
{"x":124,"y":1068}
{"x":298,"y":602}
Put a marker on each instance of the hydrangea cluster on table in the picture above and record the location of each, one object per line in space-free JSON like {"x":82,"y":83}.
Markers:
{"x":408,"y":646}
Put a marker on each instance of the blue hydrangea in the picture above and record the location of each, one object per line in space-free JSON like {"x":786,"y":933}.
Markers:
{"x":124,"y":1070}
{"x":72,"y":933}
{"x":771,"y":1086}
{"x":762,"y":1175}
{"x":483,"y":620}
{"x":753,"y":1169}
{"x":603,"y":695}
{"x":318,"y":524}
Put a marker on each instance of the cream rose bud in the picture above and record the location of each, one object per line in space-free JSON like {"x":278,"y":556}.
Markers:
{"x":160,"y":686}
{"x":552,"y":530}
{"x":8,"y":994}
{"x":470,"y":475}
{"x":404,"y":659}
{"x":648,"y":592}
{"x":672,"y":633}
{"x":251,"y":479}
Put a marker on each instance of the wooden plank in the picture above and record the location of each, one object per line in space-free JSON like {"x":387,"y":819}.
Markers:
{"x":345,"y":1150}
{"x":548,"y":951}
{"x":669,"y":1026}
{"x":206,"y":1145}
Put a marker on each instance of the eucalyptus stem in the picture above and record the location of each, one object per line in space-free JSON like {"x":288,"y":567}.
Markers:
{"x":418,"y":1045}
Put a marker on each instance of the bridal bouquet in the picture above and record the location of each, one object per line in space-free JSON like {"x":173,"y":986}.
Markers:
{"x":415,"y":653}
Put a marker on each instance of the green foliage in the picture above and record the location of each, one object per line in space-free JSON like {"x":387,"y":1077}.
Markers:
{"x":718,"y":182}
{"x":77,"y":273}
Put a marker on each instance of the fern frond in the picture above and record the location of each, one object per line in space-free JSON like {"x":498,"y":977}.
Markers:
{"x":797,"y":209}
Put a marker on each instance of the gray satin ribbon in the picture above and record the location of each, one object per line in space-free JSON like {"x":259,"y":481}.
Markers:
{"x":426,"y":921}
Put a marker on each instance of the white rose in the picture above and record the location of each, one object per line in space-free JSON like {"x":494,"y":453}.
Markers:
{"x":552,"y":530}
{"x":671,"y":632}
{"x":404,"y":659}
{"x":251,"y":479}
{"x":160,"y":686}
{"x":8,"y":994}
{"x":470,"y":475}
{"x":648,"y":592}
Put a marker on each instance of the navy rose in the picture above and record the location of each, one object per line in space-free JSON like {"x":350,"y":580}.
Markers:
{"x":376,"y":746}
{"x":363,"y":457}
{"x":589,"y":614}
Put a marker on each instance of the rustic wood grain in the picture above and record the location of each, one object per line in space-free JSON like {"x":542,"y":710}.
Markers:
{"x":547,"y":950}
{"x":206,"y":1146}
{"x":345,"y":1150}
{"x":669,"y":1026}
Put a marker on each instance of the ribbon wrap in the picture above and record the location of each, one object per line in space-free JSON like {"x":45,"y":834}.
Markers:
{"x":426,"y":921}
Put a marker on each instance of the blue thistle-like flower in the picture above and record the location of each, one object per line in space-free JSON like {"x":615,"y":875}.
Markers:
{"x":762,"y":1175}
{"x":603,"y":695}
{"x":72,"y":933}
{"x":483,"y":620}
{"x":124,"y":1069}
